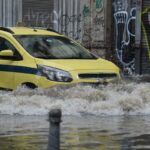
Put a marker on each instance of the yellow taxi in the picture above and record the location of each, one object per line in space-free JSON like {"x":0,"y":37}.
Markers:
{"x":44,"y":58}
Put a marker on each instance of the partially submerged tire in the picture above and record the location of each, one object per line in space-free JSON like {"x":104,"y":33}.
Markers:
{"x":29,"y":85}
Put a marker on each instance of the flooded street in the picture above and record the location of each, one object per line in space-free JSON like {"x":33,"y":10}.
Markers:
{"x":116,"y":116}
{"x":77,"y":133}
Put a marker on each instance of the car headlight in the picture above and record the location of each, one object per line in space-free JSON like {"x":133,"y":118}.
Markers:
{"x":54,"y":74}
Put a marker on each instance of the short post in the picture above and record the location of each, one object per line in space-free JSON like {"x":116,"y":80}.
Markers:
{"x":54,"y":133}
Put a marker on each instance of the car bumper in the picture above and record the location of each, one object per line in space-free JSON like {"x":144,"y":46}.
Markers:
{"x":45,"y":83}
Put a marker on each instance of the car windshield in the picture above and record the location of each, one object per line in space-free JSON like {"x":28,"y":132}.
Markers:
{"x":53,"y":47}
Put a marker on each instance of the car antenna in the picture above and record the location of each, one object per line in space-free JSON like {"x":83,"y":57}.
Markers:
{"x":34,"y":29}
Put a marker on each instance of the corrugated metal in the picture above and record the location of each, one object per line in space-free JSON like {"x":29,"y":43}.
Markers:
{"x":10,"y":12}
{"x":68,"y":13}
{"x":81,"y":20}
{"x":38,"y":13}
{"x":145,"y":37}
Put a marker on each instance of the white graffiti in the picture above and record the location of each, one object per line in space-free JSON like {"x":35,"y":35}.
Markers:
{"x":123,"y":37}
{"x":55,"y":19}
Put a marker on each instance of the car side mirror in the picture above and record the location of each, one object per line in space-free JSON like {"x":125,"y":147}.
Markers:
{"x":6,"y":53}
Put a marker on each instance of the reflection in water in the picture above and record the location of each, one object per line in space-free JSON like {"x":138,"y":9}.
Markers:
{"x":22,"y":133}
{"x":77,"y":133}
{"x":21,"y":143}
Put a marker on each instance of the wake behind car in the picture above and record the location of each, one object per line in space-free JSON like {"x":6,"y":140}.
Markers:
{"x":44,"y":58}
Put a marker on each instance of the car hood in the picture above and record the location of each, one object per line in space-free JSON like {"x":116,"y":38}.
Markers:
{"x":81,"y":64}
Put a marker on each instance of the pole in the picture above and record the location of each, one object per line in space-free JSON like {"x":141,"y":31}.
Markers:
{"x":54,"y":132}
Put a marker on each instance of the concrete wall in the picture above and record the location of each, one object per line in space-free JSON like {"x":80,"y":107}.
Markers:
{"x":93,"y":23}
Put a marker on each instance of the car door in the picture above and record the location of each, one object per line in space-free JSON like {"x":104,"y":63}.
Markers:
{"x":7,"y":65}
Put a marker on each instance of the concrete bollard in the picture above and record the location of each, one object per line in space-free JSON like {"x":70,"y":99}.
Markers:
{"x":54,"y":133}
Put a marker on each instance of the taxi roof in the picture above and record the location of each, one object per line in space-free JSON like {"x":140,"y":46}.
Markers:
{"x":29,"y":31}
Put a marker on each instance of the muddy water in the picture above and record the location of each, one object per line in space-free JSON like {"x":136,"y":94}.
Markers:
{"x":77,"y":133}
{"x":115,"y":116}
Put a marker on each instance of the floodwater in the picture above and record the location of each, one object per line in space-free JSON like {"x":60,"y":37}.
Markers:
{"x":115,"y":117}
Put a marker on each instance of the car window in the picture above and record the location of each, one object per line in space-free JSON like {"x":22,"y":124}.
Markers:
{"x":5,"y":45}
{"x":53,"y":47}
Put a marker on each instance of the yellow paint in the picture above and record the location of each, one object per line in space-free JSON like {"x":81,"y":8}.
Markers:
{"x":144,"y":32}
{"x":74,"y":66}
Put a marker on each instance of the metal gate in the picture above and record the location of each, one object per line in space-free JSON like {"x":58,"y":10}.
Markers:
{"x":38,"y":13}
{"x":10,"y":12}
{"x":67,"y":18}
{"x":81,"y":20}
{"x":145,"y":37}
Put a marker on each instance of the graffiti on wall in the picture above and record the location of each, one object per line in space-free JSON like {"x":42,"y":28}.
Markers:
{"x":68,"y":22}
{"x":54,"y":20}
{"x":125,"y":35}
{"x":37,"y":18}
{"x":146,"y":27}
{"x":85,"y":24}
{"x":86,"y":11}
{"x":93,"y":23}
{"x":99,"y":5}
{"x":97,"y":23}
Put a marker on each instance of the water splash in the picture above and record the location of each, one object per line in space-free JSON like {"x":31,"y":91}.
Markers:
{"x":125,"y":98}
